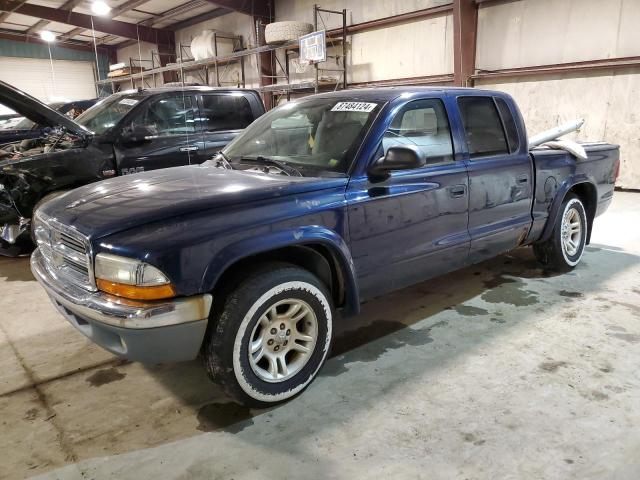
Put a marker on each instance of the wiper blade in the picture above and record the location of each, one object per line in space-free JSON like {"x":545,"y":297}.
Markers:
{"x":284,"y":166}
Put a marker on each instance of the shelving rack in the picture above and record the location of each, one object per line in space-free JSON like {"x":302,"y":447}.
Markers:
{"x":184,"y":62}
{"x":278,"y":90}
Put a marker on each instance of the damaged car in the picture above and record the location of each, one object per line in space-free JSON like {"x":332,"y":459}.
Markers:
{"x":128,"y":132}
{"x":26,"y":128}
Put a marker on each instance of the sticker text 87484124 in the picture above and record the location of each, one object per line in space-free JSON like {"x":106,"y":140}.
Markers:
{"x":365,"y":107}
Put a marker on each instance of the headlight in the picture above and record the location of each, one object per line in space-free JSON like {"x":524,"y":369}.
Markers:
{"x":130,"y":278}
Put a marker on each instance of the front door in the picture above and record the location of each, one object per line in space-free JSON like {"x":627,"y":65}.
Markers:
{"x":413,"y":225}
{"x":176,"y":137}
{"x":500,"y":177}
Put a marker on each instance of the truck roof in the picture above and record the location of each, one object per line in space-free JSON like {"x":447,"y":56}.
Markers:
{"x":186,"y":88}
{"x":389,"y":93}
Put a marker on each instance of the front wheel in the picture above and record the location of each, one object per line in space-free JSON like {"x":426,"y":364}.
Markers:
{"x":271,"y":337}
{"x":564,"y":249}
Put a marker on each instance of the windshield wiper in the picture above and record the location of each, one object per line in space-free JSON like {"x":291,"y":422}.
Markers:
{"x":284,"y":166}
{"x":222,"y":159}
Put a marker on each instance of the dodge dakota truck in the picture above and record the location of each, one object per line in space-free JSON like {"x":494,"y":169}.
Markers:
{"x":126,"y":133}
{"x":321,"y":203}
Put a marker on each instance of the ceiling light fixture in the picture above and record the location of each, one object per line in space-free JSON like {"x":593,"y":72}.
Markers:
{"x":47,"y":36}
{"x":100,"y":8}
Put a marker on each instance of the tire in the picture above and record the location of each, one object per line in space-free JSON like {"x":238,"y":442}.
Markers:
{"x":258,"y":379}
{"x":279,"y":32}
{"x":557,"y":253}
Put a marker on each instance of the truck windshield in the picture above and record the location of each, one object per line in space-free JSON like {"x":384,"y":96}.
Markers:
{"x":317,"y":134}
{"x":107,"y":113}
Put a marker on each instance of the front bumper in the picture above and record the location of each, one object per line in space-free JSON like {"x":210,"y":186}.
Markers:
{"x":10,"y":233}
{"x":148,"y":332}
{"x":14,"y":229}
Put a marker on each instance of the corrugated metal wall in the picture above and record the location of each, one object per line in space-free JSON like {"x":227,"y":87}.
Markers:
{"x":10,"y":48}
{"x":542,"y":32}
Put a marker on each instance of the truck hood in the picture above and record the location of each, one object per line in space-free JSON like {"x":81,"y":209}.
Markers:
{"x":122,"y":203}
{"x":37,"y":111}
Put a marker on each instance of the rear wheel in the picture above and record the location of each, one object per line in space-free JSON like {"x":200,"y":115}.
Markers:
{"x":271,"y":337}
{"x":564,"y":249}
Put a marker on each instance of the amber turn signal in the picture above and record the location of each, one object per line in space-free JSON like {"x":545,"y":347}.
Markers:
{"x":134,"y":292}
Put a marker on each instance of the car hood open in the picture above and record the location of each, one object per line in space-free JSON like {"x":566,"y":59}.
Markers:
{"x":126,"y":202}
{"x":36,"y":111}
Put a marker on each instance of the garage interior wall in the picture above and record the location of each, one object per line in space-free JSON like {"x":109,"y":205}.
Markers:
{"x":510,"y":34}
{"x":143,"y":51}
{"x":412,"y":49}
{"x":28,"y":67}
{"x":230,"y":24}
{"x":74,"y":80}
{"x":542,"y":32}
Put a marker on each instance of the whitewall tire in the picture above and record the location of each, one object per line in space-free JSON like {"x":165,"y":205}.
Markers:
{"x":271,"y":337}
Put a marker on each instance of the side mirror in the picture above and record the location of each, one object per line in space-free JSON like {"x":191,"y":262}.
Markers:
{"x":137,"y":135}
{"x":401,"y":157}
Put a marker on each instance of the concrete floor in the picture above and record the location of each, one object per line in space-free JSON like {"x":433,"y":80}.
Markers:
{"x":497,"y":371}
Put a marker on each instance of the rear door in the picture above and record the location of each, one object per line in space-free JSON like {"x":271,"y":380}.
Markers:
{"x":413,"y":225}
{"x":176,"y":140}
{"x":500,"y":176}
{"x":223,"y":115}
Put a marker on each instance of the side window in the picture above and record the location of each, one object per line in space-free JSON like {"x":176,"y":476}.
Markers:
{"x":482,"y":127}
{"x":168,"y":116}
{"x":509,"y":125}
{"x":423,"y":123}
{"x":225,"y":112}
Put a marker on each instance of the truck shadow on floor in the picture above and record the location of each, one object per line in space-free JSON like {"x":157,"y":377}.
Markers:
{"x":15,"y":269}
{"x":498,"y":288}
{"x":429,"y":325}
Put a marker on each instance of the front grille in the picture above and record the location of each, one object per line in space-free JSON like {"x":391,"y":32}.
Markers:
{"x":66,"y":252}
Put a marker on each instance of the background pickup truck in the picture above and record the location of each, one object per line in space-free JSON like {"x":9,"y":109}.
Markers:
{"x":126,"y":133}
{"x":319,"y":204}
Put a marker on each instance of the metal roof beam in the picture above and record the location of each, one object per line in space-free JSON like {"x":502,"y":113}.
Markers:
{"x":101,"y":24}
{"x":255,"y":8}
{"x":69,"y":5}
{"x":218,"y":12}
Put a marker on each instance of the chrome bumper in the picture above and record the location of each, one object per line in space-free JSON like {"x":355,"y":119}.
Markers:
{"x":119,"y":312}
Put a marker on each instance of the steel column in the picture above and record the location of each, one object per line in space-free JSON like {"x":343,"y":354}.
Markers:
{"x":465,"y":27}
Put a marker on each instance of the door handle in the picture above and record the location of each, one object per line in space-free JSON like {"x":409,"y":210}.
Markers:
{"x":189,"y":149}
{"x":457,"y":191}
{"x":522,"y":179}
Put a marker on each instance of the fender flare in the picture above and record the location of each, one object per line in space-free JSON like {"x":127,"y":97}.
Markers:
{"x":561,"y":193}
{"x":300,"y":236}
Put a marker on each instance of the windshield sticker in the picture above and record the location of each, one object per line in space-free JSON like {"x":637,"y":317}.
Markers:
{"x":128,"y":101}
{"x":354,"y":107}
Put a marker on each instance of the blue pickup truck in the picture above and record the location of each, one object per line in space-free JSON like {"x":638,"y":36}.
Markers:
{"x":318,"y":205}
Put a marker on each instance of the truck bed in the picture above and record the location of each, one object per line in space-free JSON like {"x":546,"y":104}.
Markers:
{"x":556,"y":170}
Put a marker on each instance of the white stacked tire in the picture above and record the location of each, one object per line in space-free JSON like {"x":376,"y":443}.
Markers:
{"x":279,"y":32}
{"x":203,"y":45}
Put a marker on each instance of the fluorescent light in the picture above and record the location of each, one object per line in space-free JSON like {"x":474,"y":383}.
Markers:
{"x":100,"y":8}
{"x":47,"y":36}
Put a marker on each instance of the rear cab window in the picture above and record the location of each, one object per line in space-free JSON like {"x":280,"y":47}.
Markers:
{"x":225,"y":112}
{"x":483,"y":127}
{"x":509,"y":124}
